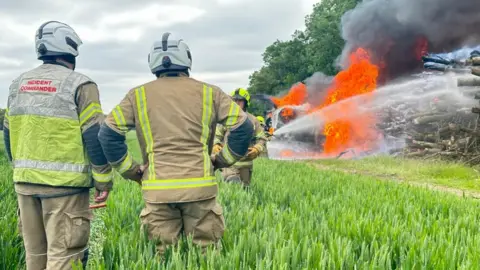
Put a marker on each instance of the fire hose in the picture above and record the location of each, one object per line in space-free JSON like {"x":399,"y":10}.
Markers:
{"x":97,"y":206}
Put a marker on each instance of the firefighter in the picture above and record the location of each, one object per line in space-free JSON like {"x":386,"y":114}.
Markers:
{"x":268,"y":125}
{"x":261,"y":120}
{"x":175,"y":117}
{"x":241,"y":171}
{"x":51,"y":127}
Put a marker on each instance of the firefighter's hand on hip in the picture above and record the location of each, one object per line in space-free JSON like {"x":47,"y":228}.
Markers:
{"x":216,"y":164}
{"x":136,"y":173}
{"x":140,"y":172}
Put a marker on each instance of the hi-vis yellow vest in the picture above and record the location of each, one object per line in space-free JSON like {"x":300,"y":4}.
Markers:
{"x":46,"y":139}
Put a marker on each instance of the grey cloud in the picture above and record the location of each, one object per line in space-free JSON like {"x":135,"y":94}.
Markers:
{"x":134,"y":58}
{"x":39,"y":7}
{"x":226,"y":38}
{"x":19,"y":51}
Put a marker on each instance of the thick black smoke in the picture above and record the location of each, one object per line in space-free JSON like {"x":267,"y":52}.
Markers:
{"x":317,"y":86}
{"x":391,"y":29}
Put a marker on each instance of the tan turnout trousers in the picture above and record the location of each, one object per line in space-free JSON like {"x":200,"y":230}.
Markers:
{"x":55,"y":231}
{"x":201,"y":220}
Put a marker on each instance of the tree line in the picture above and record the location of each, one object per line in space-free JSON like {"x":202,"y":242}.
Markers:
{"x":309,"y":51}
{"x":291,"y":61}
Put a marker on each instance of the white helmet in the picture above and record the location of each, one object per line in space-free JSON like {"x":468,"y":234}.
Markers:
{"x":169,"y":55}
{"x":56,"y":39}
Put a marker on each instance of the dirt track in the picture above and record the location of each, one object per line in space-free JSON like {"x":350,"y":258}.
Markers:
{"x":396,"y":178}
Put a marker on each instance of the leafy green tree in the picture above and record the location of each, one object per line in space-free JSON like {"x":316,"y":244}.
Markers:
{"x":258,"y":108}
{"x":315,"y":49}
{"x":285,"y":64}
{"x":323,"y":31}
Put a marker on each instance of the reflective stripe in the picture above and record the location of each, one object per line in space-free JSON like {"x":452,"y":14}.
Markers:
{"x":206,"y":118}
{"x":228,"y":155}
{"x":125,"y":165}
{"x":52,"y":166}
{"x":259,"y":147}
{"x":243,"y":164}
{"x":119,"y":118}
{"x":102,"y":177}
{"x":46,"y":138}
{"x":233,"y":115}
{"x":179,"y":183}
{"x":261,"y":135}
{"x":219,"y":134}
{"x":89,"y":112}
{"x":42,"y":111}
{"x":146,"y":130}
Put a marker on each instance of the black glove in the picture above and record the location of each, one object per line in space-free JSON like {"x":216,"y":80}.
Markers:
{"x":134,"y":174}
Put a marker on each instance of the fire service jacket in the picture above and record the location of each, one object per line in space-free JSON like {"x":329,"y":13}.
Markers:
{"x":259,"y":140}
{"x":51,"y":128}
{"x":174,"y":118}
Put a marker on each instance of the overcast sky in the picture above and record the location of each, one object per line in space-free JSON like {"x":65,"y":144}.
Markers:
{"x":226,"y":37}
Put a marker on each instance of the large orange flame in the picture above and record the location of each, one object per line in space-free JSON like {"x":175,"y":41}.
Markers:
{"x":353,"y":129}
{"x":297,"y":95}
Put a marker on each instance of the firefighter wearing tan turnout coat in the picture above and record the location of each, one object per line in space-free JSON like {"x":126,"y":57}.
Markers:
{"x":51,"y":129}
{"x":261,"y":120}
{"x":242,"y":170}
{"x":174,"y":118}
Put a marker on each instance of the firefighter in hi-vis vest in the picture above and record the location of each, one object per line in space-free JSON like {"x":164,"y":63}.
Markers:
{"x":242,"y":170}
{"x":51,"y":127}
{"x":261,"y":120}
{"x":174,"y":117}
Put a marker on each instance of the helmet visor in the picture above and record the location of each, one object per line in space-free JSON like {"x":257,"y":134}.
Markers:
{"x":238,"y":97}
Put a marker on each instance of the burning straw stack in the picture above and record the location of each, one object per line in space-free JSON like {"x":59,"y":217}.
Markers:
{"x":439,"y":127}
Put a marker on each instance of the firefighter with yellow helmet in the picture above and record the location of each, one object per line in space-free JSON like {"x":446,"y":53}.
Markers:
{"x":264,"y":125}
{"x":261,"y":120}
{"x":242,"y":170}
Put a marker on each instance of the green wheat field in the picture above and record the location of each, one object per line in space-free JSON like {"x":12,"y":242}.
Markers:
{"x":374,"y":213}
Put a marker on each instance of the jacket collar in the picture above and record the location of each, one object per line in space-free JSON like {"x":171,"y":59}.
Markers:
{"x":173,"y":74}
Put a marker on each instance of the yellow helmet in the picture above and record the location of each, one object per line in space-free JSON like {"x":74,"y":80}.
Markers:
{"x":241,"y":93}
{"x":261,"y":120}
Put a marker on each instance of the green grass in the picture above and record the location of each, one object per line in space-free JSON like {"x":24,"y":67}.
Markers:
{"x":419,"y":171}
{"x":11,"y":246}
{"x":299,"y":217}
